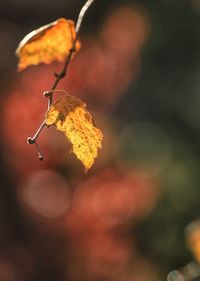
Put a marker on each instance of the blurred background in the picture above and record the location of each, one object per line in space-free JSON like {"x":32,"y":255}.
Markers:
{"x":138,"y":72}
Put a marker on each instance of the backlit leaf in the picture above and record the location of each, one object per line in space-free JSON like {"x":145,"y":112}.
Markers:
{"x":70,"y":116}
{"x":47,"y":44}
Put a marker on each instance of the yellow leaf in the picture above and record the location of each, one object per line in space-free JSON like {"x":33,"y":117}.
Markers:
{"x":47,"y":44}
{"x":70,"y":116}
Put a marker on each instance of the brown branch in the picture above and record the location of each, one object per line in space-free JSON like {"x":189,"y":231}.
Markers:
{"x":59,"y":76}
{"x":63,"y":73}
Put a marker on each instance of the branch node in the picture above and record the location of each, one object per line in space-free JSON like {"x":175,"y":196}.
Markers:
{"x":41,"y":158}
{"x":30,"y":140}
{"x":62,"y":74}
{"x":73,"y":49}
{"x":46,"y":94}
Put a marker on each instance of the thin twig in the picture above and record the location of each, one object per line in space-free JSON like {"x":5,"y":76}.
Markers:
{"x":48,"y":93}
{"x":33,"y":139}
{"x":60,"y":75}
{"x":81,"y":15}
{"x":40,"y":156}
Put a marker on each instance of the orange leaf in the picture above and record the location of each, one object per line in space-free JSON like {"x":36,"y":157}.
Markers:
{"x":47,"y":44}
{"x":70,"y":116}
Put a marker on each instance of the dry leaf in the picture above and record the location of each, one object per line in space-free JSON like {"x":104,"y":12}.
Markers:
{"x":47,"y":44}
{"x":70,"y":116}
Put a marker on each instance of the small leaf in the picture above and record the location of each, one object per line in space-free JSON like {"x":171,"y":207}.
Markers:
{"x":47,"y":44}
{"x":70,"y":116}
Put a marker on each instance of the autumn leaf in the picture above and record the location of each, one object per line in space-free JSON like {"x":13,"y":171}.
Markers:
{"x":70,"y":116}
{"x":46,"y":44}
